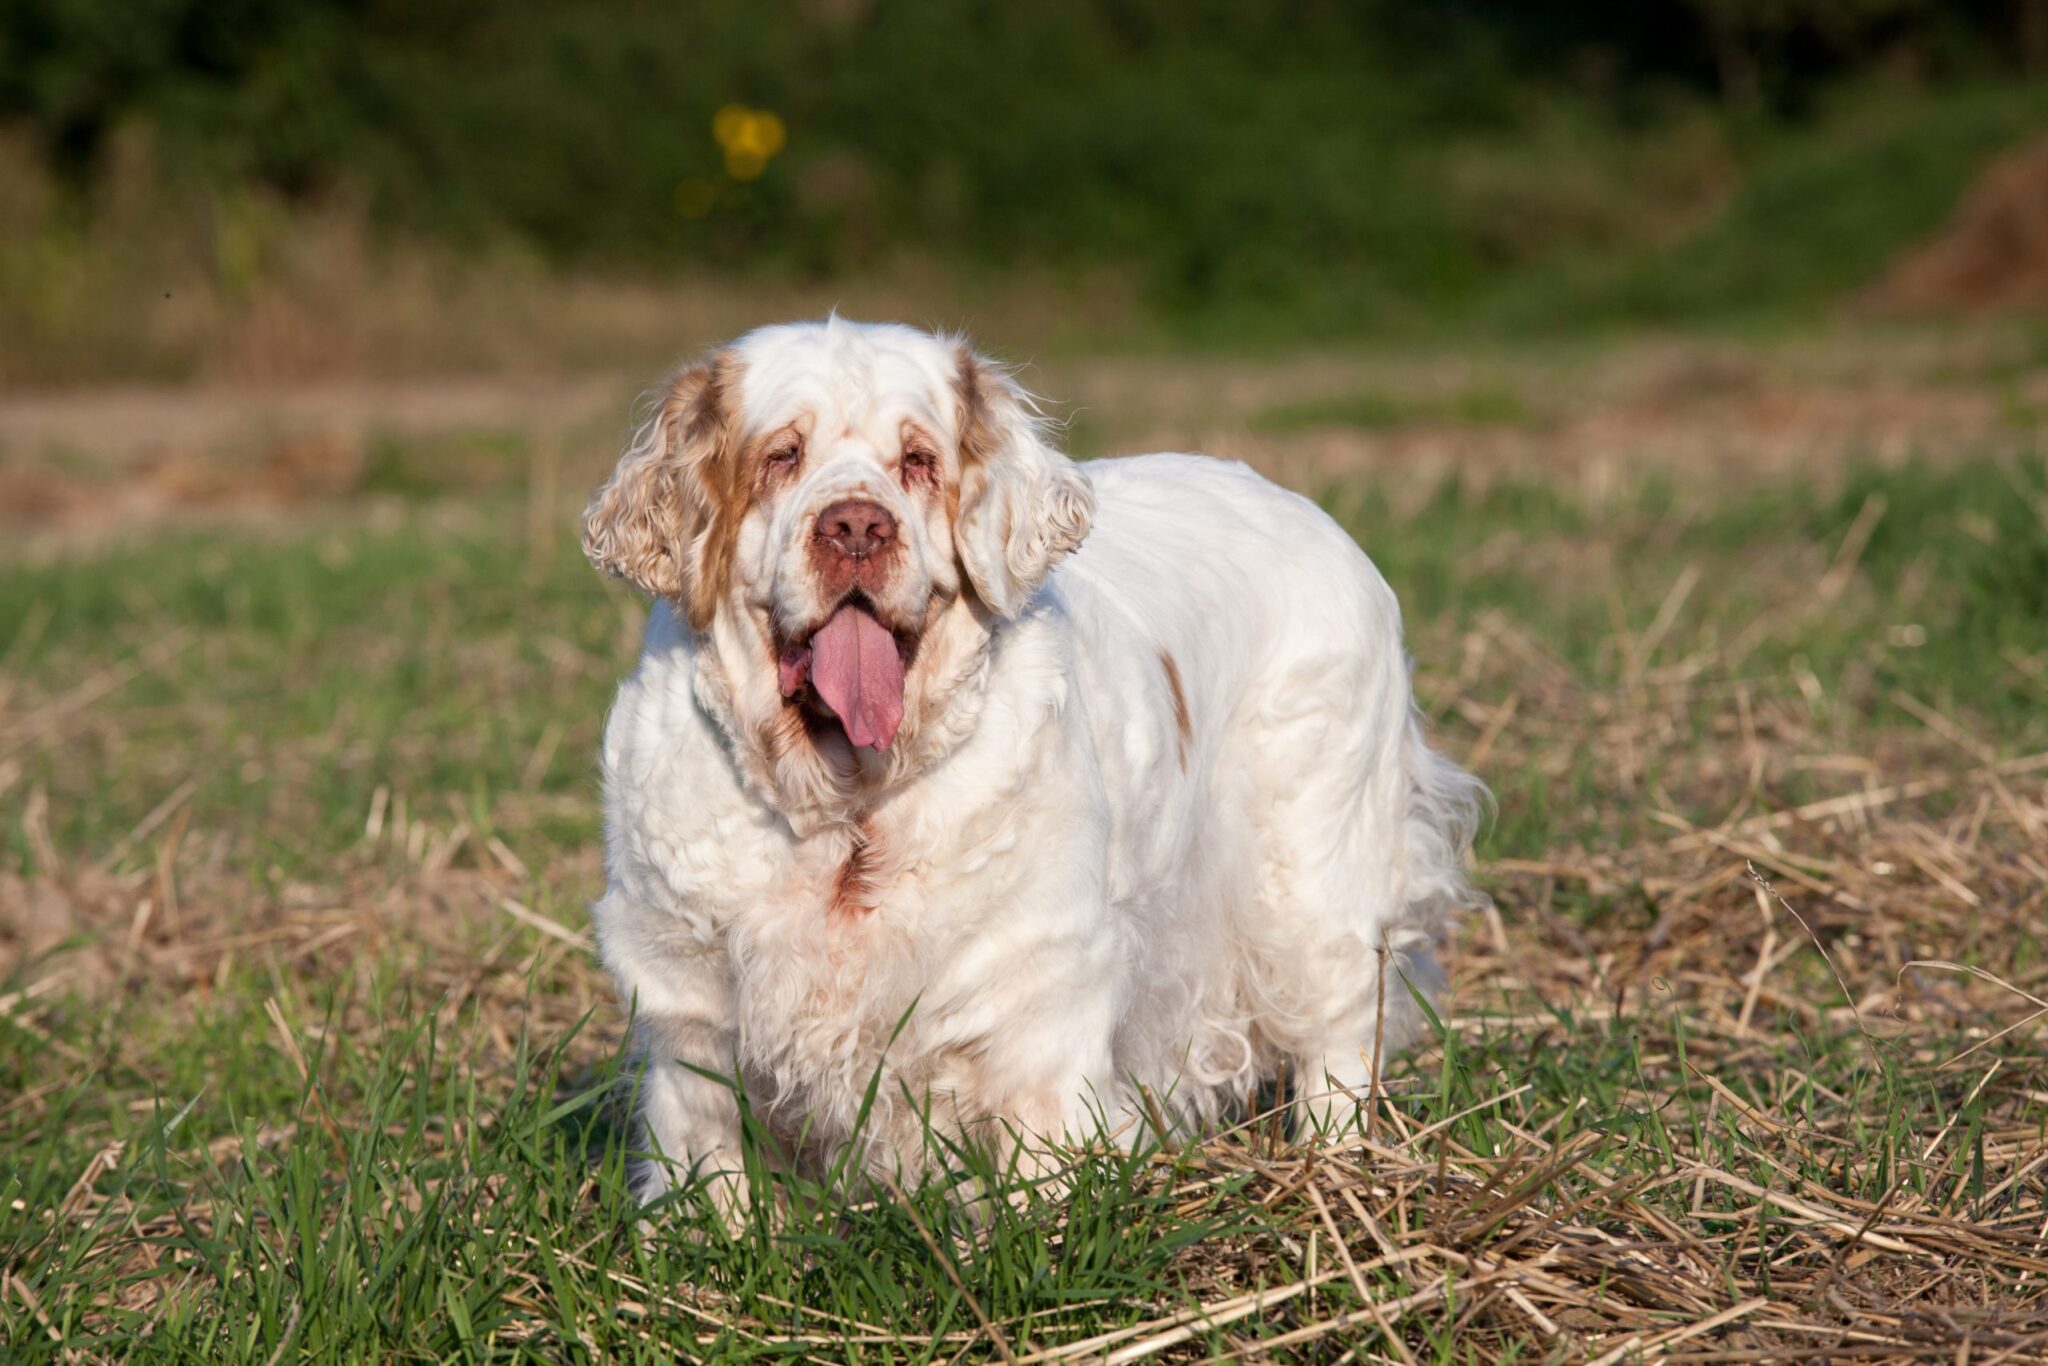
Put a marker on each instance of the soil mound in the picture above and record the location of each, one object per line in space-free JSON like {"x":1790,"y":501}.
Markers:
{"x":1992,"y":254}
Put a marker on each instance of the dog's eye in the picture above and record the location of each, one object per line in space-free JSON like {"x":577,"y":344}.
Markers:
{"x":785,"y":453}
{"x":919,"y":459}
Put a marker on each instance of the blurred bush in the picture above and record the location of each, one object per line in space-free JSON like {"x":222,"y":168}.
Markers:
{"x":1327,"y":163}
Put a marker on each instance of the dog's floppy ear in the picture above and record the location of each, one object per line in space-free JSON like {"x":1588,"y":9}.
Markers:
{"x":663,"y":521}
{"x":1023,"y":505}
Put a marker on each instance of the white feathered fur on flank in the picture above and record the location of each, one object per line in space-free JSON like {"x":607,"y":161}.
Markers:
{"x":1159,"y":811}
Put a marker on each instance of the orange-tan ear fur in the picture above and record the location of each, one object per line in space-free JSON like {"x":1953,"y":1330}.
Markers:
{"x":666,"y":518}
{"x":1023,"y":505}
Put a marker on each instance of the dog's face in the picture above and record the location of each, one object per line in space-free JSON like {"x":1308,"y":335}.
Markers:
{"x":837,"y":486}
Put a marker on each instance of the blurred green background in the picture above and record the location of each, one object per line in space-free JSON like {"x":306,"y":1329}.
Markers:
{"x":1174,"y":169}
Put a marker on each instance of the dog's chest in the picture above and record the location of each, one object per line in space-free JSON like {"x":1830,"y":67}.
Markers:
{"x":826,"y":963}
{"x":830,"y":888}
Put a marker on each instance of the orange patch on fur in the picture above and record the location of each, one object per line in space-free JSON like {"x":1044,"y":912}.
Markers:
{"x":783,"y":734}
{"x":853,"y":890}
{"x":725,"y":489}
{"x":977,"y":433}
{"x":980,"y":445}
{"x":1182,"y":723}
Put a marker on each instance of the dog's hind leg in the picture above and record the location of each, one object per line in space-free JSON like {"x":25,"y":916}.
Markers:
{"x":1365,"y":832}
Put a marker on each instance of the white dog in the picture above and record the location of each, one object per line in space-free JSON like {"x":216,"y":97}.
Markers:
{"x":1104,"y":784}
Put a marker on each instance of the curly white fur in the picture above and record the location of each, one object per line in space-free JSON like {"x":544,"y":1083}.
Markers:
{"x":1160,"y":814}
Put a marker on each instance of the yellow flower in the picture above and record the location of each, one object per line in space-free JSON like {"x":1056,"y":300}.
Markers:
{"x":750,"y":138}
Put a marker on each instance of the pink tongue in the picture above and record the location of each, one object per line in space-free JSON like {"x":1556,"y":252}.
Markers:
{"x":855,"y":668}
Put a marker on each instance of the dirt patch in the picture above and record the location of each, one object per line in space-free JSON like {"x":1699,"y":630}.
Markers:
{"x":1991,"y":256}
{"x":161,"y":484}
{"x":76,"y":465}
{"x":1599,"y":420}
{"x":1592,"y":420}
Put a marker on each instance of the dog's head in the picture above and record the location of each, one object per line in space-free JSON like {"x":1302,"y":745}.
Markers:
{"x":828,"y":491}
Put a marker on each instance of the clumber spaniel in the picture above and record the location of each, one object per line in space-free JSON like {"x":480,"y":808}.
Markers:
{"x":1104,"y":784}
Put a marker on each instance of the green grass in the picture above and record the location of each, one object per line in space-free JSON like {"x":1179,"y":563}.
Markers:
{"x":417,"y":1229}
{"x":326,"y":1099}
{"x":1372,"y":410}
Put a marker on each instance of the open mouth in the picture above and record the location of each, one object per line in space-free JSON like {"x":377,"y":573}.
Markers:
{"x":852,"y":666}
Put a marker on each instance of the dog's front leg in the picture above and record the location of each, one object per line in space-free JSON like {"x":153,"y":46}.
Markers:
{"x":689,"y":1122}
{"x":684,"y":1035}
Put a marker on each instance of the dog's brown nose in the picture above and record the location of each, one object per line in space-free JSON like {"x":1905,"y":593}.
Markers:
{"x":856,"y":528}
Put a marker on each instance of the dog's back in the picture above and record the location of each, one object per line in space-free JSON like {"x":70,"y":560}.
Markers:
{"x":1279,"y":821}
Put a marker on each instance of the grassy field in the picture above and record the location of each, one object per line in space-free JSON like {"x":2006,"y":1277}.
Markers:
{"x":304,"y":1056}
